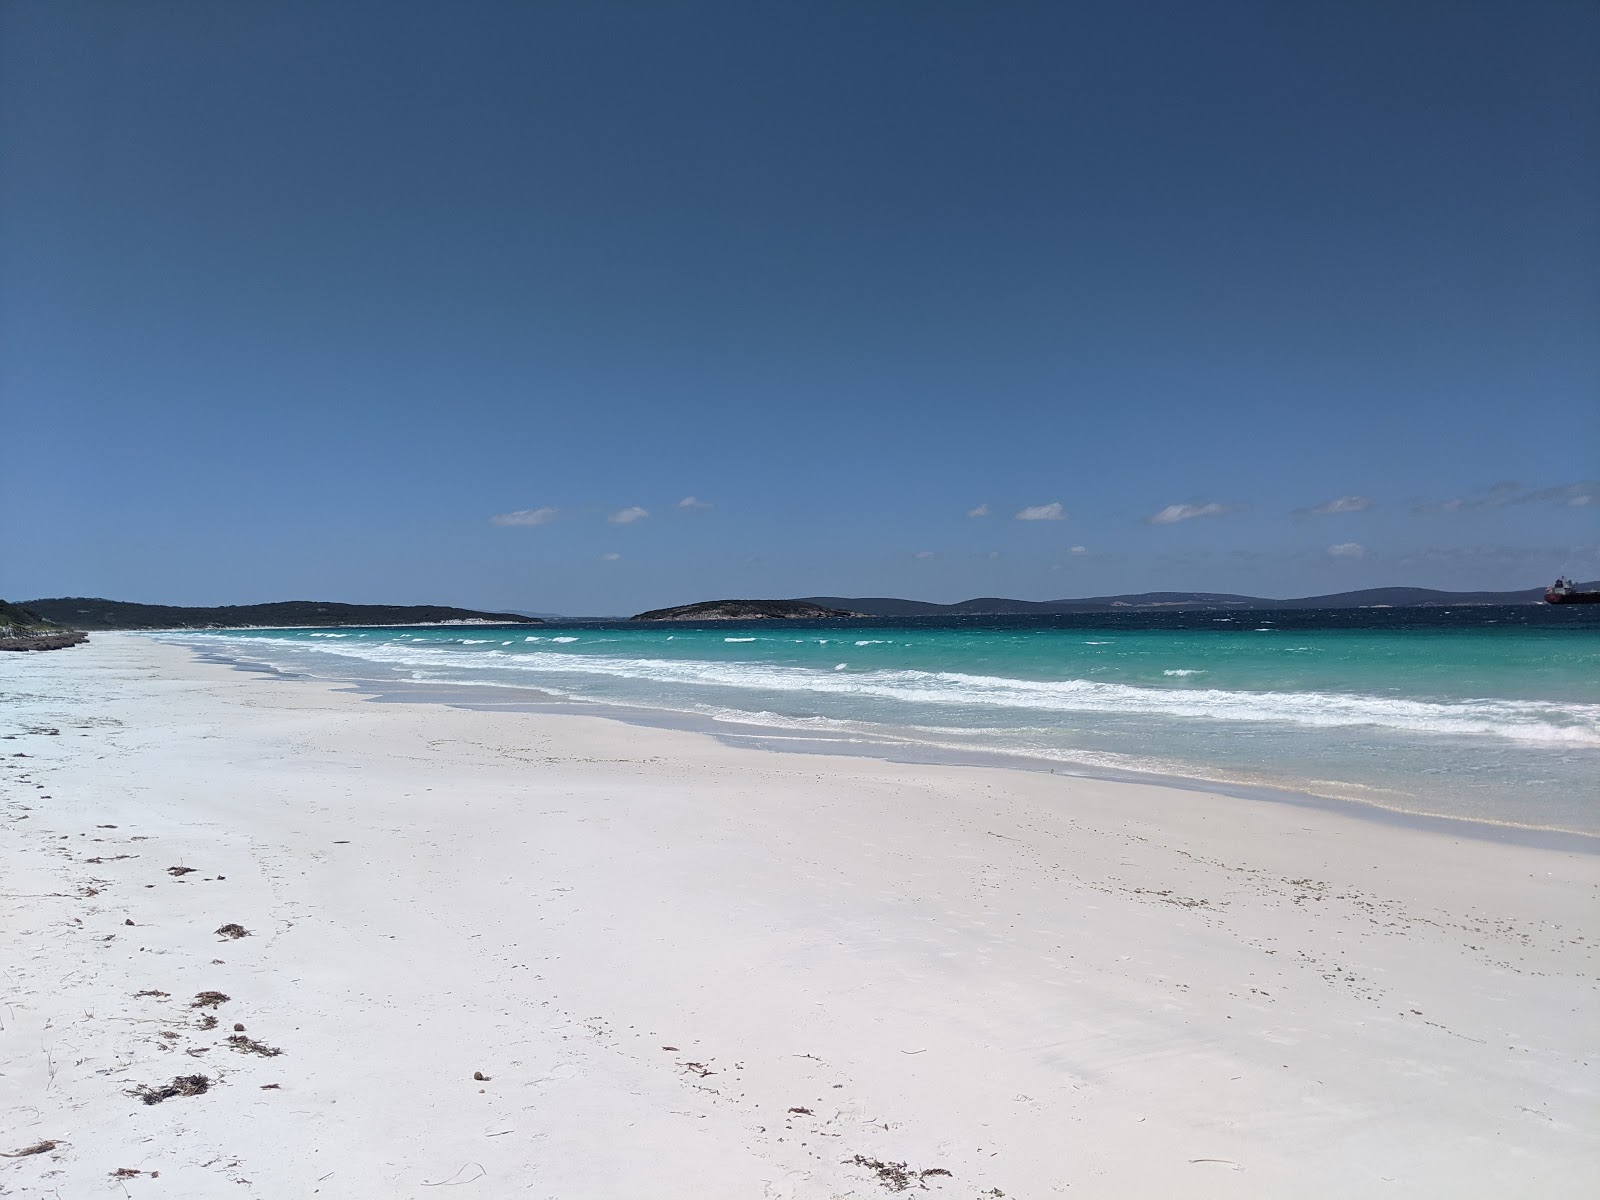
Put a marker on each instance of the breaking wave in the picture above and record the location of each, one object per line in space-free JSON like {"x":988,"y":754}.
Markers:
{"x":1524,"y":721}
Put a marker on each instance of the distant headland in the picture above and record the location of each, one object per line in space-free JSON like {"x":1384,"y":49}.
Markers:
{"x":748,"y":610}
{"x":82,"y":613}
{"x":834,"y":607}
{"x":992,"y":606}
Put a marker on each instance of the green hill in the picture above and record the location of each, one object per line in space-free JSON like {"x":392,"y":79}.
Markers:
{"x":83,"y":613}
{"x":16,"y":621}
{"x":744,"y":610}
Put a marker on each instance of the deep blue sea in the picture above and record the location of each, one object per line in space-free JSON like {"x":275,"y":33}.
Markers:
{"x":1486,"y":713}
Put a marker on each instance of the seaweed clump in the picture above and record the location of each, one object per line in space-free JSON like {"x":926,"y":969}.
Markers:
{"x":248,"y":1045}
{"x":897,"y":1177}
{"x":183,"y":1085}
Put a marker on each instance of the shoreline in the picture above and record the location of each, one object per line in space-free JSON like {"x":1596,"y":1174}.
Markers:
{"x":688,"y":969}
{"x":909,"y":752}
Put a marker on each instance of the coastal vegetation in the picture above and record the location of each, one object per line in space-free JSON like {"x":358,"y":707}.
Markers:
{"x":48,"y":623}
{"x":23,"y":629}
{"x":85,"y":613}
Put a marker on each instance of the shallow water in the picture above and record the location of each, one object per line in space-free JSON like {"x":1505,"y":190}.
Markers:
{"x":1487,"y":713}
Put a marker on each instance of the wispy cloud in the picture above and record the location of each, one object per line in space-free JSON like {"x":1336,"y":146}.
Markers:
{"x":981,"y":511}
{"x":1078,"y":550}
{"x":926,"y":554}
{"x":693,"y":502}
{"x":611,"y":557}
{"x":1173,"y":513}
{"x":526,"y":516}
{"x":1585,"y":493}
{"x":1042,"y":512}
{"x":1540,"y":560}
{"x":1343,"y":504}
{"x":627,"y":516}
{"x":1347,"y":550}
{"x":1493,"y":496}
{"x":1504,"y":492}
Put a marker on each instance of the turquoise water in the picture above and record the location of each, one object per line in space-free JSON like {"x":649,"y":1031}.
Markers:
{"x":1492,"y":714}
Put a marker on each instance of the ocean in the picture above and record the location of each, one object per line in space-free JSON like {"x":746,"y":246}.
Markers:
{"x":1487,"y":714}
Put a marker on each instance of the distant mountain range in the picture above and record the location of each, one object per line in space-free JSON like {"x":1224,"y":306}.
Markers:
{"x":77,"y":612}
{"x":991,"y":606}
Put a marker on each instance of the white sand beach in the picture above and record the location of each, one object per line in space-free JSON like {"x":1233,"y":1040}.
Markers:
{"x":689,"y":970}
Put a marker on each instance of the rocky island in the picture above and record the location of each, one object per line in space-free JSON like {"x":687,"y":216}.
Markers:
{"x":746,"y":610}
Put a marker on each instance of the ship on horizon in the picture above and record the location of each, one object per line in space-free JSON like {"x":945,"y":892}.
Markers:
{"x":1563,"y":591}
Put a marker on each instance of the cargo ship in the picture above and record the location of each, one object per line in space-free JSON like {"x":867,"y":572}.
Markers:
{"x":1562,"y":591}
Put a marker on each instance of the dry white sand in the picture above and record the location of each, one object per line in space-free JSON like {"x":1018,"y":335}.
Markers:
{"x":695,"y":971}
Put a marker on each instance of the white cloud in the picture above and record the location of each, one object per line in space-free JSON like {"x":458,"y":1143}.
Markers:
{"x":693,"y":502}
{"x":1173,"y":513}
{"x":612,"y":557}
{"x":1042,"y":512}
{"x":1079,"y":550}
{"x":981,"y":511}
{"x":1343,"y":504}
{"x":627,"y":516}
{"x":526,"y":516}
{"x":1348,"y":550}
{"x":925,"y":554}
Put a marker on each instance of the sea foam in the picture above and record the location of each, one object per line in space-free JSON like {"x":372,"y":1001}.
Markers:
{"x":1526,"y":721}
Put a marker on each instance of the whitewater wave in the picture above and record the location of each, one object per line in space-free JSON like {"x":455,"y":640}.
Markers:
{"x":1524,"y":721}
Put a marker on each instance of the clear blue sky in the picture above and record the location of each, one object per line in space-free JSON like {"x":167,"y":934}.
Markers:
{"x":296,"y":298}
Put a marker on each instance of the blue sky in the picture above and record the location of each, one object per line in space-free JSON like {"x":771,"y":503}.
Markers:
{"x":296,"y":299}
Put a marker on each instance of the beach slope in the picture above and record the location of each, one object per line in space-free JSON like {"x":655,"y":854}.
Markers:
{"x":266,"y":937}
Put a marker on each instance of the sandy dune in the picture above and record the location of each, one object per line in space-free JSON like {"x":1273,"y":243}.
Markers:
{"x":687,"y":970}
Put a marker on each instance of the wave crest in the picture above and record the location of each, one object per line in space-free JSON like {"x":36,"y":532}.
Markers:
{"x":1525,"y":721}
